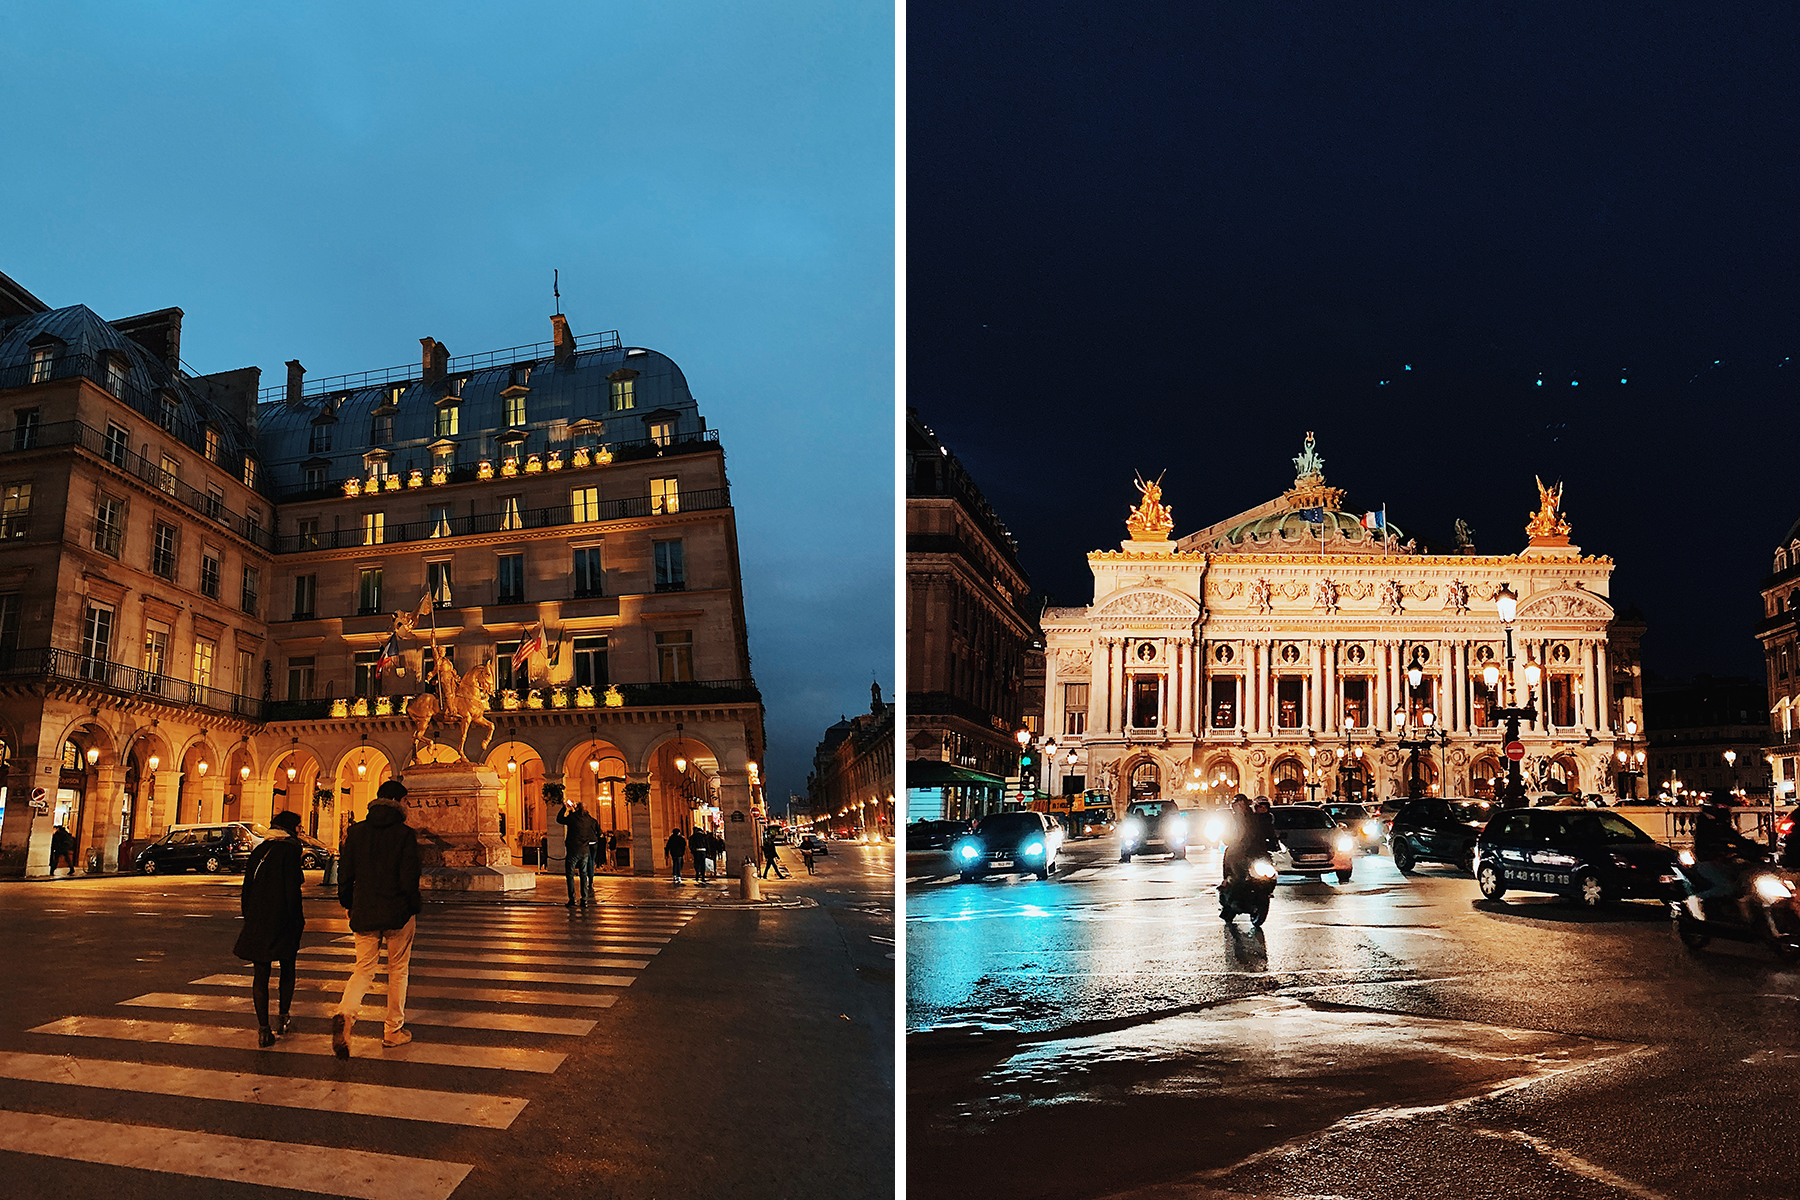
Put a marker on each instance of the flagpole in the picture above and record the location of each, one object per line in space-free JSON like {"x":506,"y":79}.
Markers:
{"x":436,"y":669}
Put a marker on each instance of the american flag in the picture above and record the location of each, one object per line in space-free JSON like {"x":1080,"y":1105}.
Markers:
{"x":533,"y":644}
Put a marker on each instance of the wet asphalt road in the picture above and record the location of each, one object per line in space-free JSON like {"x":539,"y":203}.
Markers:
{"x":1104,"y":1033}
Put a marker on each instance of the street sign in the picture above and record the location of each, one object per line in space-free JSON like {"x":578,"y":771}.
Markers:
{"x":1515,"y":751}
{"x":39,"y":795}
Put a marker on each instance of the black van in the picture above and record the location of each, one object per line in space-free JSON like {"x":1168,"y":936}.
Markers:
{"x":1590,"y":855}
{"x":209,"y":848}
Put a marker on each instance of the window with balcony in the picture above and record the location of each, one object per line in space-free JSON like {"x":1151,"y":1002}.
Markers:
{"x":309,"y":533}
{"x":622,"y":395}
{"x":1562,"y":700}
{"x":306,"y":597}
{"x":510,"y":579}
{"x":587,"y":572}
{"x":9,"y":627}
{"x":671,"y":571}
{"x":443,"y":458}
{"x":665,"y":495}
{"x":115,"y":375}
{"x":252,"y":524}
{"x":252,"y":584}
{"x":162,"y":551}
{"x":662,"y":432}
{"x":300,"y":678}
{"x":590,"y":663}
{"x":1075,"y":702}
{"x":209,"y":573}
{"x":368,"y":679}
{"x":510,"y":517}
{"x":41,"y":358}
{"x":168,"y":411}
{"x":1224,"y":703}
{"x":449,"y":421}
{"x":96,"y":639}
{"x":374,"y":528}
{"x":118,"y":444}
{"x":584,"y":504}
{"x":675,"y":656}
{"x":1290,"y":702}
{"x":1146,"y":701}
{"x":109,"y":524}
{"x":169,"y":475}
{"x":439,"y":515}
{"x":312,"y":478}
{"x":215,"y":502}
{"x":437,"y":582}
{"x":1356,"y":703}
{"x":504,"y":676}
{"x":25,"y":427}
{"x":203,"y":668}
{"x":15,"y":510}
{"x":156,"y":656}
{"x":212,"y":444}
{"x":368,"y":591}
{"x":246,"y":670}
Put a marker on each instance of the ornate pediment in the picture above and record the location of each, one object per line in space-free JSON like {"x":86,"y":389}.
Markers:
{"x":1566,"y":604}
{"x":1161,"y":605}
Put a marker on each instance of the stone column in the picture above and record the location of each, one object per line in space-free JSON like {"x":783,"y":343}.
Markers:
{"x":741,"y":841}
{"x":1261,"y":684}
{"x":15,"y":833}
{"x":646,"y":855}
{"x":1315,"y":684}
{"x":105,"y":793}
{"x":1384,"y":698}
{"x":1453,"y":673}
{"x":1603,"y":668}
{"x":1175,"y":689}
{"x":161,"y":812}
{"x":1330,"y":719}
{"x":256,"y":801}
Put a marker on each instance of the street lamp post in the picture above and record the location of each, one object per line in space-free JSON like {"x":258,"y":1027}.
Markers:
{"x":1507,"y":603}
{"x":1630,"y":758}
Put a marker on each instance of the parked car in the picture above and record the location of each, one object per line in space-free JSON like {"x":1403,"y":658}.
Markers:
{"x":1363,"y":824}
{"x":1439,"y":830}
{"x":210,"y":848}
{"x":1153,"y":823}
{"x":1020,"y":839}
{"x":1591,"y":856}
{"x":313,"y":852}
{"x":1312,"y":843}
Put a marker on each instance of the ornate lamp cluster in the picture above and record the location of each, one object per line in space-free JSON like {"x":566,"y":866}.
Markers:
{"x":509,"y":466}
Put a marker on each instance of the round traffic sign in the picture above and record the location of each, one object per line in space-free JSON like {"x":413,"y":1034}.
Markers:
{"x":1515,"y":750}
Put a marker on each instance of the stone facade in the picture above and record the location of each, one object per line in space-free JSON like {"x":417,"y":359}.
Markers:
{"x":200,"y":579}
{"x":1268,"y":653}
{"x":1779,"y":632}
{"x":851,"y":787}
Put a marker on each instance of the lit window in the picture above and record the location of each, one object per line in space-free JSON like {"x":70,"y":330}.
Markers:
{"x":675,"y":656}
{"x":249,"y":471}
{"x":374,"y":528}
{"x":212,"y":445}
{"x":203,"y":668}
{"x":171,"y":475}
{"x":449,"y":420}
{"x":665,"y":497}
{"x":662,"y":432}
{"x":443,"y":458}
{"x":437,"y":582}
{"x":584,"y":504}
{"x":515,"y":410}
{"x":41,"y":357}
{"x":440,"y":521}
{"x":622,"y":397}
{"x":510,"y":517}
{"x":15,"y":510}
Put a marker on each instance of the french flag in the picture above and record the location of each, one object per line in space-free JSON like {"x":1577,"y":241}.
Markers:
{"x":1375,"y":520}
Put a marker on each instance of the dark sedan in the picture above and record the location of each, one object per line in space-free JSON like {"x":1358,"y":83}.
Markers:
{"x":1023,"y":840}
{"x":1154,"y":826}
{"x":1436,"y":830}
{"x":1591,"y":856}
{"x":1363,"y":823}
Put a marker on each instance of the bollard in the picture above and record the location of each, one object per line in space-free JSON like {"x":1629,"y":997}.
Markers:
{"x":330,"y":879}
{"x":751,"y":889}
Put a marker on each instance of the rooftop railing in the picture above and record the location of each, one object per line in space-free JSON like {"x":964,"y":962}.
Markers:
{"x":704,"y":500}
{"x":405,"y":375}
{"x":119,"y":453}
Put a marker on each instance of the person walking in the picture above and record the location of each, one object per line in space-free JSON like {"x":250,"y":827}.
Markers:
{"x":578,"y":849}
{"x":378,"y":882}
{"x":700,"y":850}
{"x":770,"y":858}
{"x":273,"y":920}
{"x":675,"y":849}
{"x":806,"y":855}
{"x":62,"y":850}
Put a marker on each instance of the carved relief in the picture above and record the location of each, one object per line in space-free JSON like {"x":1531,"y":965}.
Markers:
{"x":1422,"y":590}
{"x":1259,"y":758}
{"x":1227,"y":589}
{"x":1391,"y":593}
{"x":1073,"y":662}
{"x":1325,"y":595}
{"x":1456,"y":596}
{"x":1293,"y":589}
{"x":1260,"y":599}
{"x":1360,"y":589}
{"x":1391,"y":758}
{"x":1144,"y":604}
{"x":1458,"y":757}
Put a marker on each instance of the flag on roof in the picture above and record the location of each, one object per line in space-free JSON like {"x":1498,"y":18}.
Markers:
{"x":533,"y":644}
{"x":1375,"y":520}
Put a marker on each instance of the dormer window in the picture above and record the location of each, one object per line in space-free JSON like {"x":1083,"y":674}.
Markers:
{"x":115,"y":375}
{"x":381,"y":430}
{"x":320,"y":443}
{"x":212,"y":444}
{"x":249,"y":471}
{"x":443,"y":458}
{"x":586,"y":433}
{"x":376,"y":463}
{"x":513,"y":400}
{"x":662,"y":432}
{"x":449,"y":418}
{"x":623,"y":395}
{"x":41,"y":358}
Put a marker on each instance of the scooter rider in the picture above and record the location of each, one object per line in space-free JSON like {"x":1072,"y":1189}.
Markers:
{"x":1254,"y":834}
{"x":1720,"y":852}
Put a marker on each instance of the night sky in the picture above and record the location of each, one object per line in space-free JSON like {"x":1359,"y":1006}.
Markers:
{"x":1163,"y":237}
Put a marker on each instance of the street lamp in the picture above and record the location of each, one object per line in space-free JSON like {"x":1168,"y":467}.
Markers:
{"x":1507,"y":605}
{"x":1631,"y":757}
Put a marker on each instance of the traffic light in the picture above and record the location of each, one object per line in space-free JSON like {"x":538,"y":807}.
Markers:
{"x":1028,"y":770}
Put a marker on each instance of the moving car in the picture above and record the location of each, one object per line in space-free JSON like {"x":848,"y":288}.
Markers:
{"x":1153,"y":823}
{"x":819,"y":845}
{"x":1362,"y":823}
{"x":1592,"y":856}
{"x":1438,"y":830}
{"x":1021,"y":839}
{"x":211,"y":848}
{"x":1312,"y":843}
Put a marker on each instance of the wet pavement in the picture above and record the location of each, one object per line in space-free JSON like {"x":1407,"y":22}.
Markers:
{"x":667,"y":1041}
{"x":1103,"y":1033}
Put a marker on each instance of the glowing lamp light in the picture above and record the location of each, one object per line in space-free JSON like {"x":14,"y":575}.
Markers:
{"x":244,"y":772}
{"x":1429,"y":718}
{"x":201,"y":766}
{"x":155,"y":761}
{"x":1533,"y":673}
{"x":93,"y":755}
{"x":512,"y":764}
{"x":594,"y":764}
{"x":1731,"y":758}
{"x":1508,"y":603}
{"x":1399,"y":716}
{"x":362,"y":768}
{"x":293,"y":773}
{"x":1024,"y":736}
{"x":680,"y":765}
{"x":1490,"y":675}
{"x":1414,"y":675}
{"x":1631,"y":729}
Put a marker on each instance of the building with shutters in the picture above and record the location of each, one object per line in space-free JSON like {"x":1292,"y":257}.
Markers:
{"x":1268,"y":654}
{"x":202,"y":575}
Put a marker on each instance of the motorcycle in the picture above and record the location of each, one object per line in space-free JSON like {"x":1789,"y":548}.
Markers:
{"x":1765,"y":911}
{"x":1250,"y":893}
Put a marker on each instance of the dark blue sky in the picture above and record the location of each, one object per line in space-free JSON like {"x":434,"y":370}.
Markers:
{"x":1180,"y":236}
{"x":332,"y":183}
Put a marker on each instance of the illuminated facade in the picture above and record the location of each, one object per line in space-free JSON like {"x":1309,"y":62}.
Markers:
{"x":1269,"y":653}
{"x":1779,"y":632}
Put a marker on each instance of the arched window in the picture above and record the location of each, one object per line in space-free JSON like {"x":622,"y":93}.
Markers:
{"x":1146,"y":781}
{"x":1289,"y":780}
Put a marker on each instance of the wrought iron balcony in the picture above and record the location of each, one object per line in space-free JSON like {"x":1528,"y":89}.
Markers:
{"x":72,"y":666}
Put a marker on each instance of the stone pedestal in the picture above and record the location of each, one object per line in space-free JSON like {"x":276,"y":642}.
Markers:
{"x":456,"y":809}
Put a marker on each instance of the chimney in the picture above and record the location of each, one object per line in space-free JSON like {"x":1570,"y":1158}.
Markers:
{"x":296,"y":382}
{"x":435,"y":361}
{"x":158,"y":332}
{"x":565,"y":341}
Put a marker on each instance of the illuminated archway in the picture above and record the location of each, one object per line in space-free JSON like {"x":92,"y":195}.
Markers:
{"x":359,"y":772}
{"x":523,"y":821}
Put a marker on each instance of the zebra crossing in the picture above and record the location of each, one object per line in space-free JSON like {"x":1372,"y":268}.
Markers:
{"x":505,"y":973}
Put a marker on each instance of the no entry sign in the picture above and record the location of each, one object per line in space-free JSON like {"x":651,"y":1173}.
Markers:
{"x":1515,"y":750}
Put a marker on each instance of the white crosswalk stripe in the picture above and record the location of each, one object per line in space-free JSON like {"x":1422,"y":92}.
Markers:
{"x":504,"y":974}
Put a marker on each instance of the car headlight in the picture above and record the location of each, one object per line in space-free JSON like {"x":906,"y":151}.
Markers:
{"x":1215,"y":830}
{"x":1371,"y":828}
{"x":1771,"y":887}
{"x":1262,"y":868}
{"x":1685,"y":858}
{"x":1034,"y":848}
{"x":1344,"y":844}
{"x":969,"y":851}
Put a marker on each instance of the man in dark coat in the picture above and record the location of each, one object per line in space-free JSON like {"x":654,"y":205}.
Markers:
{"x":675,"y":849}
{"x":62,"y":850}
{"x":699,"y":850}
{"x":378,"y":882}
{"x":582,"y":833}
{"x":273,"y":920}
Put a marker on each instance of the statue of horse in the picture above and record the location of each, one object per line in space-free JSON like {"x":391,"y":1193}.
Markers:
{"x":466,"y":703}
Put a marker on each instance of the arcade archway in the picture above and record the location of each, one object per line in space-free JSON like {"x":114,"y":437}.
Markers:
{"x":359,"y":773}
{"x":523,"y":822}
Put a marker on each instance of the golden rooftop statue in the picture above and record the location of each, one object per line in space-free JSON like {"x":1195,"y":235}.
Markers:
{"x":1548,"y":527}
{"x":1151,"y":520}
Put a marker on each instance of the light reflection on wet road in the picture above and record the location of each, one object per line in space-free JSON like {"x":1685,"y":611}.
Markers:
{"x":1498,"y":1049}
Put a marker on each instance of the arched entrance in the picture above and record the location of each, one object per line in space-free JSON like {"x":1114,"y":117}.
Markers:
{"x":523,"y":821}
{"x":1145,"y":781}
{"x":359,"y":774}
{"x":147,"y":756}
{"x":1288,"y":779}
{"x":1487,"y":778}
{"x":196,"y":765}
{"x":1221,"y":779}
{"x":1562,"y":775}
{"x":1353,"y":779}
{"x":297,"y":789}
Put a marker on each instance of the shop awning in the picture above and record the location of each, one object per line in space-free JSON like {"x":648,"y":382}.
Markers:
{"x":925,"y":772}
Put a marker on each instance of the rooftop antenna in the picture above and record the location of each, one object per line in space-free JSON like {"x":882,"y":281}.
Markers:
{"x":556,"y":288}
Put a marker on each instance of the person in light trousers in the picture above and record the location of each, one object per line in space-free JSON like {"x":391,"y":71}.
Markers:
{"x":378,"y":882}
